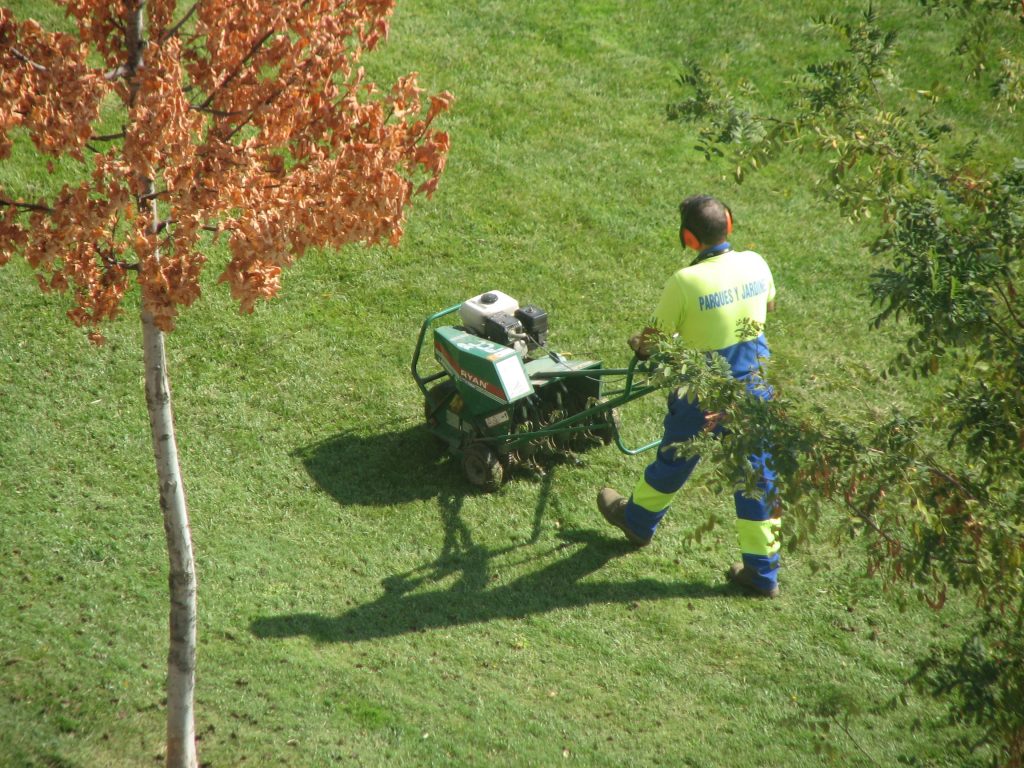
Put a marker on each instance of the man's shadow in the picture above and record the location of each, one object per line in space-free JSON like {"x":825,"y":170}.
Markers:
{"x":409,"y":605}
{"x":470,"y":601}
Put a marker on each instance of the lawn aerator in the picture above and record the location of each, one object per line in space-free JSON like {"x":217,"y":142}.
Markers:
{"x":502,"y":396}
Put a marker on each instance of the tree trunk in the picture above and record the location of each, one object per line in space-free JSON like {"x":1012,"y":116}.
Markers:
{"x":181,"y":657}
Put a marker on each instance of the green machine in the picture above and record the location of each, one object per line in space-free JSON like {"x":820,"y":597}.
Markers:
{"x":497,"y":396}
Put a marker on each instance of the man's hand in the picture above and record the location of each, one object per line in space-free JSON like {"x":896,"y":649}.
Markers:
{"x":644,"y":343}
{"x":714,"y":419}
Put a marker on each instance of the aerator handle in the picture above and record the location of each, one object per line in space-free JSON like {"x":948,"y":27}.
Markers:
{"x":422,"y":381}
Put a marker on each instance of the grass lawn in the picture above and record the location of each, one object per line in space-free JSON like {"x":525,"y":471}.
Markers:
{"x":360,"y":603}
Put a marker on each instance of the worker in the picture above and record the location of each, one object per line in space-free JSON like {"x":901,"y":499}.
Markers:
{"x":705,"y":304}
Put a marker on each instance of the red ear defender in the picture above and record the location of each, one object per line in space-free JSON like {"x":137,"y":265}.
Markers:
{"x":691,"y":240}
{"x":728,"y":221}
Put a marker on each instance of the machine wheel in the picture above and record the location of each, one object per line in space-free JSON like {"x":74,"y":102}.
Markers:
{"x":482,"y":467}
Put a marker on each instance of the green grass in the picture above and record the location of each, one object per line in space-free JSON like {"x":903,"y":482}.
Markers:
{"x":359,"y":603}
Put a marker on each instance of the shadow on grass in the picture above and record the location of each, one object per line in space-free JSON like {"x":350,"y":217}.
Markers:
{"x":382,"y":468}
{"x":396,"y":467}
{"x":391,"y":468}
{"x":470,"y":600}
{"x":559,"y":585}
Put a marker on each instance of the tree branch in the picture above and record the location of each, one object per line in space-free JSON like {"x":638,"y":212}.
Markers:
{"x":118,"y":72}
{"x":152,"y":195}
{"x":241,"y":65}
{"x":136,"y":44}
{"x":269,"y":100}
{"x":109,"y":261}
{"x":869,"y":520}
{"x":1006,"y":300}
{"x":216,"y":112}
{"x":266,"y":102}
{"x":25,"y":59}
{"x":177,"y":27}
{"x":952,"y":480}
{"x":165,"y":223}
{"x":1002,"y":328}
{"x":856,"y":743}
{"x":27,"y":206}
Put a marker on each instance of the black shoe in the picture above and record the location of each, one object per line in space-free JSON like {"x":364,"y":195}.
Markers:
{"x":741,"y":577}
{"x":613,"y":506}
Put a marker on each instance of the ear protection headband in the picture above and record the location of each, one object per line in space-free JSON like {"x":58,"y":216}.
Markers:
{"x":690,"y":239}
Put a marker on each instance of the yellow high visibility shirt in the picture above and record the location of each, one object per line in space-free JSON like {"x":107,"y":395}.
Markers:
{"x":704,"y":302}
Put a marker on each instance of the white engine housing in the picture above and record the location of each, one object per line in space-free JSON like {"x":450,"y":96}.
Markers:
{"x":475,"y":311}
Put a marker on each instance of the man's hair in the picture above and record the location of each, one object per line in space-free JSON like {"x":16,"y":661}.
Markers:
{"x":706,"y":217}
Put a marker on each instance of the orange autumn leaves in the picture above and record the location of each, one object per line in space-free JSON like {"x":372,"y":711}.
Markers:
{"x":47,"y":87}
{"x":248,"y":119}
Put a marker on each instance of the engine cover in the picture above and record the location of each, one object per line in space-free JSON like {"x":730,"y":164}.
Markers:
{"x":475,"y":311}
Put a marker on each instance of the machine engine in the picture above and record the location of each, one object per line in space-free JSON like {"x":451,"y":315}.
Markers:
{"x":498,"y":317}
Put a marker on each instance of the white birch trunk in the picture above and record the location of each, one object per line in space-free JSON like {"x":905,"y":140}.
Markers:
{"x":181,"y":657}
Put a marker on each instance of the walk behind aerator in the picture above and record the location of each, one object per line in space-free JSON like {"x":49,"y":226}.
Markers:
{"x":502,"y":397}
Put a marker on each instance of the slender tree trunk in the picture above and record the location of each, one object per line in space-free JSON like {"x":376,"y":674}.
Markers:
{"x":181,"y":657}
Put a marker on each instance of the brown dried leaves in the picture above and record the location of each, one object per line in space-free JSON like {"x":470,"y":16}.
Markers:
{"x":253,"y":118}
{"x":162,"y":132}
{"x":47,"y":87}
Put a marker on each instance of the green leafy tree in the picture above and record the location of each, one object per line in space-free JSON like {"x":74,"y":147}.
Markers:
{"x":938,"y":493}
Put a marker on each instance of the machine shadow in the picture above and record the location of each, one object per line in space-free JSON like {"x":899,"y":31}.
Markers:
{"x":470,"y":600}
{"x":396,"y":467}
{"x":382,"y":468}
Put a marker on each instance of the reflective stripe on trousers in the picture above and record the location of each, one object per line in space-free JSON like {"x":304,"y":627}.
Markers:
{"x":756,"y":528}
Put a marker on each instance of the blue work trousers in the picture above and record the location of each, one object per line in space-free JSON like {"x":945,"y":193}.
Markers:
{"x":757,"y":529}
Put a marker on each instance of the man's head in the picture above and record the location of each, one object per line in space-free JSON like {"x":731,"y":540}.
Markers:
{"x":704,"y":222}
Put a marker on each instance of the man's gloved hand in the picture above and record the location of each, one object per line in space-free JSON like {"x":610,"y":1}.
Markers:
{"x":714,"y":419}
{"x":643,"y":343}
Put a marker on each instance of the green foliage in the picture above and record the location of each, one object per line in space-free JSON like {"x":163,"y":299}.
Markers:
{"x":403,"y":619}
{"x":984,"y":683}
{"x":938,"y":494}
{"x":727,"y":120}
{"x":988,"y":44}
{"x":836,"y":109}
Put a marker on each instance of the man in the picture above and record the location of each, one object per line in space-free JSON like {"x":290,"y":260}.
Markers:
{"x":706,"y":304}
